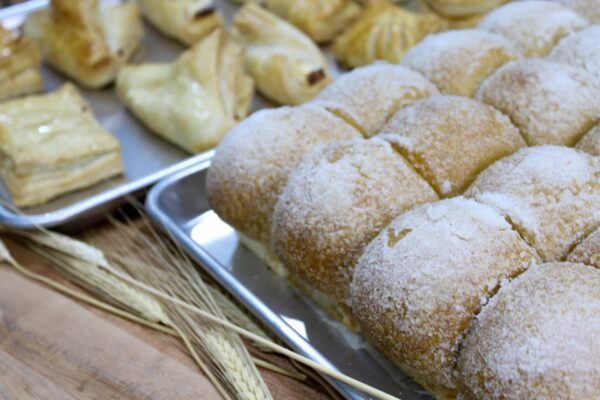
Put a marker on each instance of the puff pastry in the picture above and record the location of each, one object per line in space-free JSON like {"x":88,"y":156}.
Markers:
{"x":580,"y":49}
{"x":321,"y":20}
{"x":384,"y":32}
{"x":590,"y":9}
{"x":463,"y":8}
{"x":51,"y":144}
{"x":193,"y":101}
{"x":185,"y":20}
{"x":287,"y":66}
{"x":590,"y":143}
{"x":86,"y":41}
{"x":19,"y":66}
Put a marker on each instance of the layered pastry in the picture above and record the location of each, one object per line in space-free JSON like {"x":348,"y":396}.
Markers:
{"x":367,"y":97}
{"x":187,"y":21}
{"x":458,"y":61}
{"x":463,"y":8}
{"x":588,"y":251}
{"x":287,"y":66}
{"x":550,"y":194}
{"x":384,"y":32}
{"x":450,"y":139}
{"x":51,"y":144}
{"x":195,"y":100}
{"x":86,"y":41}
{"x":590,"y":9}
{"x":537,"y":338}
{"x":534,"y":26}
{"x":321,"y":20}
{"x":550,"y":103}
{"x":335,"y":202}
{"x":580,"y":49}
{"x":590,"y":143}
{"x":19,"y":66}
{"x":253,"y":161}
{"x":419,"y":284}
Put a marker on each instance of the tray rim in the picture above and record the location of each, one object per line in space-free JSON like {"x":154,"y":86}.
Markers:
{"x":258,"y":308}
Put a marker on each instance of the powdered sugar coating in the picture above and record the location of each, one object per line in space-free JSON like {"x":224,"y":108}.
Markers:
{"x":538,"y":338}
{"x":580,"y":49}
{"x":550,"y":194}
{"x":590,"y":143}
{"x":588,"y":251}
{"x":335,"y":202}
{"x":534,"y":26}
{"x":590,"y":9}
{"x":368,"y":96}
{"x":253,"y":161}
{"x":421,"y":281}
{"x":457,"y":61}
{"x":450,"y":139}
{"x":550,"y":103}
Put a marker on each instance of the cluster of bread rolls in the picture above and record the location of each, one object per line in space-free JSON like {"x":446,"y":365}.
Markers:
{"x":436,"y":205}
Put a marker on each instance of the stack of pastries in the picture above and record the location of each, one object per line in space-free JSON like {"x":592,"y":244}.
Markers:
{"x":447,"y":207}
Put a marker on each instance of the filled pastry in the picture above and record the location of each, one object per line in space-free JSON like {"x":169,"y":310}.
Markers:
{"x":458,"y":61}
{"x":286,"y":65}
{"x":185,"y":20}
{"x":51,"y":144}
{"x":590,"y":9}
{"x":321,"y":20}
{"x":193,"y":101}
{"x":384,"y":32}
{"x":86,"y":41}
{"x":580,"y":49}
{"x":421,"y":282}
{"x":19,"y":66}
{"x":588,"y":251}
{"x":335,"y":202}
{"x":551,"y":195}
{"x":253,"y":161}
{"x":534,"y":26}
{"x":590,"y":143}
{"x":463,"y":8}
{"x":550,"y":103}
{"x":537,"y":338}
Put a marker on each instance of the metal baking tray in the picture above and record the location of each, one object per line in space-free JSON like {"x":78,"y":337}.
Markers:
{"x":179,"y":205}
{"x":147,"y":158}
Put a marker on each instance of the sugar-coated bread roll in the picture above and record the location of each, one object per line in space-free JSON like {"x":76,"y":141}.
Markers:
{"x":550,"y":194}
{"x":450,"y":139}
{"x":590,"y":9}
{"x":538,"y":338}
{"x":580,"y":49}
{"x":590,"y":143}
{"x":418,"y":285}
{"x":463,"y":8}
{"x":588,"y":251}
{"x":367,"y":97}
{"x":335,"y":202}
{"x":253,"y":161}
{"x":534,"y":26}
{"x":458,"y":61}
{"x":550,"y":103}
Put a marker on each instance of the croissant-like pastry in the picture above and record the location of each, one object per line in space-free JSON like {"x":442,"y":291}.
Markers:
{"x":286,"y":65}
{"x":384,"y":32}
{"x":86,"y":41}
{"x":193,"y":101}
{"x":322,"y":20}
{"x":19,"y":66}
{"x":185,"y":20}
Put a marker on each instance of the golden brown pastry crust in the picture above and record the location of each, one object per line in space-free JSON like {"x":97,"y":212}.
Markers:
{"x":19,"y":66}
{"x":463,"y":8}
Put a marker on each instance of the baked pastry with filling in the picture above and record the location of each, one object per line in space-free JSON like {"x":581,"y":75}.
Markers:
{"x":550,"y":194}
{"x":252,"y":164}
{"x":286,"y":65}
{"x":588,"y":251}
{"x":590,"y":9}
{"x":463,"y":8}
{"x":550,"y":103}
{"x":367,"y":97}
{"x":590,"y":143}
{"x":450,"y":139}
{"x":321,"y":20}
{"x":51,"y":144}
{"x":384,"y":31}
{"x":335,"y":202}
{"x":458,"y":61}
{"x":580,"y":49}
{"x":84,"y":40}
{"x":195,"y":100}
{"x":188,"y":21}
{"x":419,"y":284}
{"x":538,"y":338}
{"x":19,"y":66}
{"x":534,"y":26}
